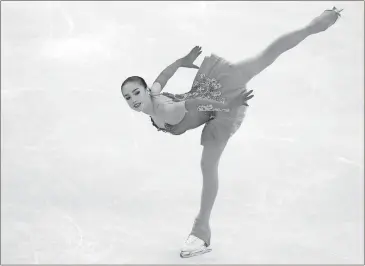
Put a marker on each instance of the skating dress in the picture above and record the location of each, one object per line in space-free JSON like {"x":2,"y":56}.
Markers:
{"x":219,"y":80}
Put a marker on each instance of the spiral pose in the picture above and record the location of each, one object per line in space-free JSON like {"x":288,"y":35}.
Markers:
{"x":218,"y":100}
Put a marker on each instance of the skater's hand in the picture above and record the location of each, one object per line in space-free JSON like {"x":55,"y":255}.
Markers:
{"x":178,"y":129}
{"x":324,"y":21}
{"x":188,"y":60}
{"x":242,"y":99}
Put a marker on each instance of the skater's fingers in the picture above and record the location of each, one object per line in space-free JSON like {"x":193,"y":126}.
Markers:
{"x":249,"y":97}
{"x":173,"y":130}
{"x":248,"y":93}
{"x":194,"y":50}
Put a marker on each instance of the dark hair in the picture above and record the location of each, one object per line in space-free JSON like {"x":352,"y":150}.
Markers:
{"x":137,"y":79}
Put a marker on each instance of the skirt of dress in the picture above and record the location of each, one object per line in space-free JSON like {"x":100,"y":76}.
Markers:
{"x":220,"y":80}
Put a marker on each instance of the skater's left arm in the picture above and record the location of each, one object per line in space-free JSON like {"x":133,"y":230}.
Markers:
{"x":253,"y":66}
{"x":202,"y":104}
{"x":186,"y":61}
{"x":164,"y":77}
{"x":206,"y":105}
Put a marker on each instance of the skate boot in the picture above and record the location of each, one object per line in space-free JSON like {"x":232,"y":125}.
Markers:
{"x":194,"y":246}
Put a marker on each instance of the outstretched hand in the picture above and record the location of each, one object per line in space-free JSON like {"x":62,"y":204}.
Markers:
{"x":188,"y":60}
{"x":242,"y":98}
{"x":179,"y":128}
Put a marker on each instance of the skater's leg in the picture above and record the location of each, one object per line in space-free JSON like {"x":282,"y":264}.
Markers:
{"x":253,"y":66}
{"x":211,"y":155}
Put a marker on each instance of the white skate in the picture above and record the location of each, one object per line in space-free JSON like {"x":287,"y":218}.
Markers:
{"x":194,"y":246}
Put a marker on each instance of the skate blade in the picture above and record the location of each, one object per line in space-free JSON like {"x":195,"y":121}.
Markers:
{"x":189,"y":254}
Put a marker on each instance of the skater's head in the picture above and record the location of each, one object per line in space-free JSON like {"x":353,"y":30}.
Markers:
{"x":134,"y":90}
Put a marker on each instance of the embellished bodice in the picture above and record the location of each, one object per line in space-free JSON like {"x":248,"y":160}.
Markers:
{"x":203,"y":87}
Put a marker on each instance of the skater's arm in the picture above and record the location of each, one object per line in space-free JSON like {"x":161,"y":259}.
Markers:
{"x":186,"y":61}
{"x":164,"y":77}
{"x":253,"y":66}
{"x":202,"y":104}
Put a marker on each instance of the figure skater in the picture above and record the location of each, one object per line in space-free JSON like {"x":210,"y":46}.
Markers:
{"x":218,"y":98}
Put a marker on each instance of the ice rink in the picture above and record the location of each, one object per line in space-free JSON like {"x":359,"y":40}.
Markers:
{"x":87,"y":180}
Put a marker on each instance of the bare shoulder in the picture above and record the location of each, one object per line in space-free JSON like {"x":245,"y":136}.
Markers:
{"x":156,"y":88}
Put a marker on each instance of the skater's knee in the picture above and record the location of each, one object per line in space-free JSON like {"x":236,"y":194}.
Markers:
{"x":209,"y":168}
{"x":208,"y":165}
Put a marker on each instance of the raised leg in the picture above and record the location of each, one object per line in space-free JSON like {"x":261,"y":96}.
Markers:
{"x":251,"y":67}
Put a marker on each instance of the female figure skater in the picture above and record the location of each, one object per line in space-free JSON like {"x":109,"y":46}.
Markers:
{"x":218,"y":99}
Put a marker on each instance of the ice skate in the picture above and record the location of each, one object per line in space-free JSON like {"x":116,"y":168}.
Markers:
{"x":194,"y":246}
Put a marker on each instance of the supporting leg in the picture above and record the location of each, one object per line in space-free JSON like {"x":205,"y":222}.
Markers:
{"x":212,"y":152}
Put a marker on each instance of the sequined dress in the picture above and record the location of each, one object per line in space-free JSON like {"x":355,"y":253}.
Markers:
{"x":219,"y":80}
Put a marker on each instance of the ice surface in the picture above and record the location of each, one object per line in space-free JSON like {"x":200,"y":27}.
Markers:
{"x":86,"y":180}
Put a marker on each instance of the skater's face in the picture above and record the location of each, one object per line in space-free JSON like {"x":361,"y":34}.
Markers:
{"x":135,"y":94}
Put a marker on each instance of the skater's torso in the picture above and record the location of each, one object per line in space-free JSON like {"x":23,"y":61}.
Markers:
{"x":167,"y":111}
{"x":178,"y":115}
{"x":192,"y":120}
